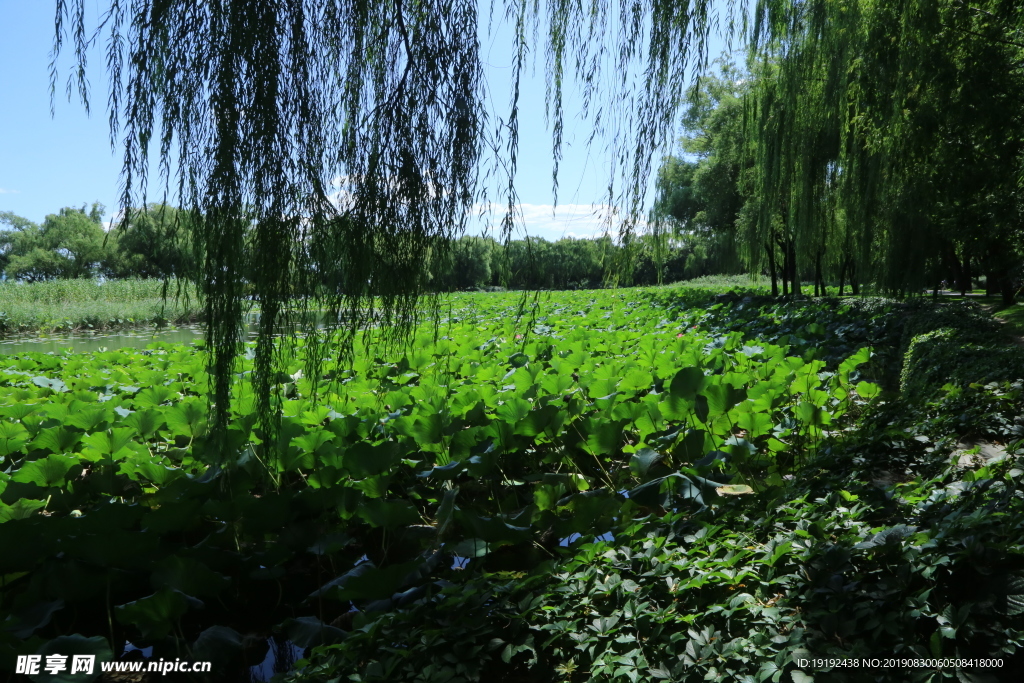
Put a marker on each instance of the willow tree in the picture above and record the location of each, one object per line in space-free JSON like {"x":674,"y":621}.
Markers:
{"x":888,"y":136}
{"x":354,"y":134}
{"x":795,"y":122}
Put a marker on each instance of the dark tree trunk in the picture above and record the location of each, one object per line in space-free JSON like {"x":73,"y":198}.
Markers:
{"x":965,"y":285}
{"x":784,"y":270}
{"x":1009,"y":292}
{"x":819,"y":281}
{"x":794,"y":272}
{"x":842,"y":272}
{"x":771,"y":266}
{"x":993,"y":283}
{"x":952,"y":266}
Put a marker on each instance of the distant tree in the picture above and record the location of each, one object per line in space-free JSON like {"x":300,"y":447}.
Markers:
{"x":676,"y":192}
{"x":578,"y":263}
{"x":468,"y":263}
{"x":701,"y":193}
{"x":714,"y":135}
{"x":520,"y":264}
{"x":15,"y":226}
{"x":69,"y":244}
{"x":153,"y":242}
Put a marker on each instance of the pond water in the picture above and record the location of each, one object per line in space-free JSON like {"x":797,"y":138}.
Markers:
{"x":85,"y":342}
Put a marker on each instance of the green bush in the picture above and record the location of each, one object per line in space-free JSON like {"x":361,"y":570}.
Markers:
{"x":957,"y":356}
{"x":970,"y":321}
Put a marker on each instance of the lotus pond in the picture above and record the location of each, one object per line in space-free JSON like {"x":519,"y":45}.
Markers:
{"x":634,"y":485}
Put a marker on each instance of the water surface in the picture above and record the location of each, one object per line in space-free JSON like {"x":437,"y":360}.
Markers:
{"x":87,"y":342}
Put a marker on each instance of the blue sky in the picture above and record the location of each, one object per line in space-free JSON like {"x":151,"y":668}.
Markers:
{"x":48,"y":162}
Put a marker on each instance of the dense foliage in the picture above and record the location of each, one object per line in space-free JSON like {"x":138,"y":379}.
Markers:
{"x":864,"y":143}
{"x":73,"y":244}
{"x":571,"y":263}
{"x":618,"y":485}
{"x":69,"y":244}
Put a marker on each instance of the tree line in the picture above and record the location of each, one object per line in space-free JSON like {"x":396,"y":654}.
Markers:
{"x":74,"y":243}
{"x":155,"y":243}
{"x":573,"y":263}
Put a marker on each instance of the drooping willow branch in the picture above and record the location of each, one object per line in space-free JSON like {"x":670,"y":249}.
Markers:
{"x":329,"y":151}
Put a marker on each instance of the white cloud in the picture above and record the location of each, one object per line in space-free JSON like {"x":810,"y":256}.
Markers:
{"x":550,"y":222}
{"x":114,"y":220}
{"x":4,"y":191}
{"x":535,"y":220}
{"x":342,"y":196}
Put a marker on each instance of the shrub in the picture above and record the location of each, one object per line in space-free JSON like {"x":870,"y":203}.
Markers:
{"x":957,"y":356}
{"x":970,"y":321}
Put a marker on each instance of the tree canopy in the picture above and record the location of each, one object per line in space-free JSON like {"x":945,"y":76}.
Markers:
{"x":702,"y":193}
{"x":68,"y":244}
{"x":155,"y":242}
{"x":869,"y":143}
{"x":887,"y":137}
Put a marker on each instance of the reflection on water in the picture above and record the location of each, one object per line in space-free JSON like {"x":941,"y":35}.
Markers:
{"x":88,"y":342}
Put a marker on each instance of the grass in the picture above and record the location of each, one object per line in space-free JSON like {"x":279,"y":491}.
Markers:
{"x":88,"y":305}
{"x":1013,"y":316}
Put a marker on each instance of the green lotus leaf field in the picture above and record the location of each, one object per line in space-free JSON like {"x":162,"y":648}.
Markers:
{"x":602,"y":485}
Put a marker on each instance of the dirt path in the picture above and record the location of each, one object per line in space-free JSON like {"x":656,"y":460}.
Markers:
{"x":991,"y":309}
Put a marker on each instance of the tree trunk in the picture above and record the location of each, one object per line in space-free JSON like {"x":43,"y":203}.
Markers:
{"x":842,"y":273}
{"x":771,"y":266}
{"x":819,"y":281}
{"x":965,"y":285}
{"x":952,"y":266}
{"x":993,"y":283}
{"x":1009,"y":292}
{"x":794,"y":272}
{"x":784,"y":269}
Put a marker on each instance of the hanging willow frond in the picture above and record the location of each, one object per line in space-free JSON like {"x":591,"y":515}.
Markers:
{"x":887,"y":134}
{"x":329,"y":151}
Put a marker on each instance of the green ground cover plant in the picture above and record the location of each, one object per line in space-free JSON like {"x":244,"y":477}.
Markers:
{"x":1013,"y":316}
{"x":614,"y":486}
{"x":91,"y":305}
